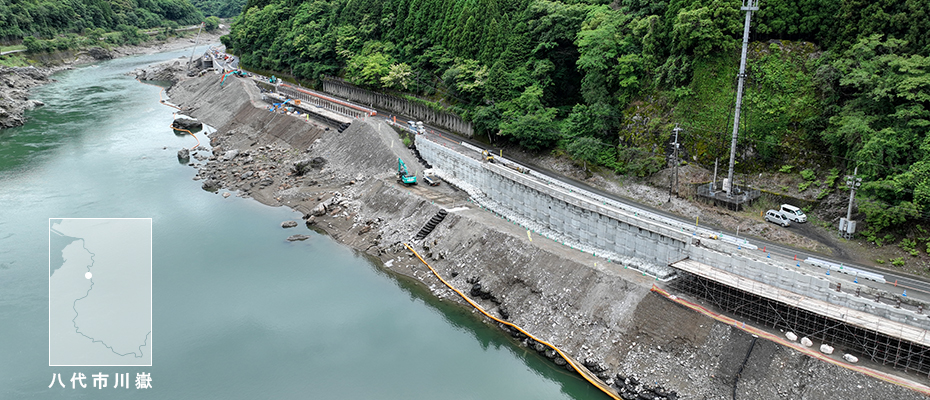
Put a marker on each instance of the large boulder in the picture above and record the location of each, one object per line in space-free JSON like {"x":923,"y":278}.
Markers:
{"x":304,"y":166}
{"x":99,"y":53}
{"x":186,"y":123}
{"x":319,"y":210}
{"x":184,"y":156}
{"x":211,"y":185}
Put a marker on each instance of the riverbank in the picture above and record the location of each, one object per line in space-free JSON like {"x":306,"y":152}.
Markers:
{"x":15,"y":82}
{"x":345,"y":184}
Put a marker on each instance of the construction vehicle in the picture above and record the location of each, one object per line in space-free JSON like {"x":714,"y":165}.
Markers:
{"x":431,"y":180}
{"x":488,"y":156}
{"x":276,"y":106}
{"x":403,"y":175}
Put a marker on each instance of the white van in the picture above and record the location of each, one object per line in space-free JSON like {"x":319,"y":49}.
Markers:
{"x":793,"y":213}
{"x":777,"y":217}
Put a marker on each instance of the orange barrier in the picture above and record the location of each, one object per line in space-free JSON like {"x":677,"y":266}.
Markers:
{"x":160,"y":100}
{"x":189,"y":132}
{"x":567,"y":359}
{"x":777,"y":339}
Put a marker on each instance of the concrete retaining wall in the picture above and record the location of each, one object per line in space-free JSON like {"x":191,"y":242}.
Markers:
{"x":577,"y":219}
{"x":607,"y":230}
{"x":399,"y":105}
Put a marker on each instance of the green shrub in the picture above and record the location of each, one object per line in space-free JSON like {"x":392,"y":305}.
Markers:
{"x":907,"y":244}
{"x":786,"y":169}
{"x":808,"y":175}
{"x":880,"y":261}
{"x":831,"y":177}
{"x":897,"y":261}
{"x":211,"y":23}
{"x":824,"y":193}
{"x":803,"y":186}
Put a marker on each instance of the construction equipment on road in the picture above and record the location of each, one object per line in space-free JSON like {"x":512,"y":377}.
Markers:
{"x":403,"y":175}
{"x":488,"y":156}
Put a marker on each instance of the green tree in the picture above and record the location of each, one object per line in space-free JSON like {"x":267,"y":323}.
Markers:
{"x":528,"y":122}
{"x":585,"y":149}
{"x":211,"y":23}
{"x":368,"y":70}
{"x":398,"y":77}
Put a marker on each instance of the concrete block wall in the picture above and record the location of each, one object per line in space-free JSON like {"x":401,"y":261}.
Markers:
{"x":579,"y":219}
{"x":608,"y":228}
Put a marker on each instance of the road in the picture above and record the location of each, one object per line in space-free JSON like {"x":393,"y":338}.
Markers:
{"x":896,"y":282}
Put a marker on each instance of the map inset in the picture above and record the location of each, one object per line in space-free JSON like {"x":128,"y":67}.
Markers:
{"x":100,"y":292}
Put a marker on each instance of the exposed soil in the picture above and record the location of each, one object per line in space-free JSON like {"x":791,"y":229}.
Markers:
{"x":592,"y":310}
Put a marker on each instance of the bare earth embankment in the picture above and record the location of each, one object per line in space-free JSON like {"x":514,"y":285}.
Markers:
{"x":347,"y":187}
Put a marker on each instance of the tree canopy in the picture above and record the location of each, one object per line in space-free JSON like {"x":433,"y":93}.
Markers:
{"x":846,"y":81}
{"x":48,"y":18}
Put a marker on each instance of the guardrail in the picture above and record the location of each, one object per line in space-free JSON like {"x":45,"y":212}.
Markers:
{"x":845,"y":269}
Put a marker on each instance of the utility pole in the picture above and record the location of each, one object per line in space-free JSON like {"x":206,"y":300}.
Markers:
{"x":675,"y":160}
{"x":677,"y":163}
{"x":852,"y":182}
{"x":191,"y":63}
{"x":749,"y":6}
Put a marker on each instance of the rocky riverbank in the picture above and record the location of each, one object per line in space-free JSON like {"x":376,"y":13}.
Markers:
{"x":345,"y":184}
{"x":15,"y":82}
{"x":14,"y":93}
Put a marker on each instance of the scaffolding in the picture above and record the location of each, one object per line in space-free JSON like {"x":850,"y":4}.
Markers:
{"x":875,"y":344}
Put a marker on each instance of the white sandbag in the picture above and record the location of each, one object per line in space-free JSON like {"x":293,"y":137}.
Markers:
{"x":826,"y":349}
{"x":851,"y":358}
{"x":791,"y":336}
{"x":806,"y":342}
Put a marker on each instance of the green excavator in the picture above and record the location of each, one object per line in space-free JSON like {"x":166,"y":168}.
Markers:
{"x":403,"y":175}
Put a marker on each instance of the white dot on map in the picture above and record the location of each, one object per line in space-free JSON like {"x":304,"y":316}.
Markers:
{"x":88,"y":275}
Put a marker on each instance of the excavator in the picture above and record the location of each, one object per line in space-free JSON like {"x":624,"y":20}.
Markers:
{"x":403,"y":175}
{"x":276,"y":106}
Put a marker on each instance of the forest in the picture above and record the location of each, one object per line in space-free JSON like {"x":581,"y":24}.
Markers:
{"x":219,"y":8}
{"x":832,"y":86}
{"x":45,"y":19}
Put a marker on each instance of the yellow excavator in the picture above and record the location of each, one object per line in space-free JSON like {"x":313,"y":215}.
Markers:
{"x":488,"y":156}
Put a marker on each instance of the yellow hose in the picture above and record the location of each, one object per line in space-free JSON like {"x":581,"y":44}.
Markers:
{"x":189,"y":132}
{"x":478,"y":307}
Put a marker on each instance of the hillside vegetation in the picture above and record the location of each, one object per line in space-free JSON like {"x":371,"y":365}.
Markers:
{"x":44,"y":19}
{"x":831,"y":85}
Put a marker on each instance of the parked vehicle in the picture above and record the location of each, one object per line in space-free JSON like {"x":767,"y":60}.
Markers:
{"x":431,"y":180}
{"x":793,"y":213}
{"x":777,"y":217}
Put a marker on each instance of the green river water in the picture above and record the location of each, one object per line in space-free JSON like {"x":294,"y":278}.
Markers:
{"x":238,"y":312}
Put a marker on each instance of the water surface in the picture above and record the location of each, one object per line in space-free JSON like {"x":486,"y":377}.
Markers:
{"x":239,"y":313}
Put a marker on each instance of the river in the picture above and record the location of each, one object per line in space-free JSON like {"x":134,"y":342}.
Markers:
{"x":238,"y":312}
